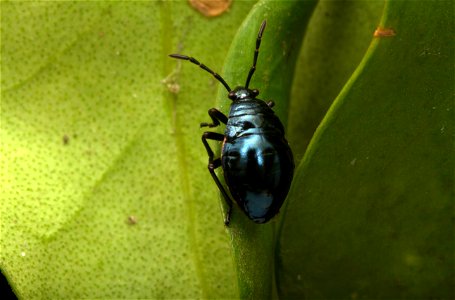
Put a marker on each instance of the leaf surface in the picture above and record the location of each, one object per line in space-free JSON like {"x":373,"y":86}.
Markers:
{"x":104,"y":179}
{"x":254,"y":244}
{"x":371,"y":215}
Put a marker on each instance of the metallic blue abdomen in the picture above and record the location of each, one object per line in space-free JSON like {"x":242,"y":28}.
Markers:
{"x":256,"y":159}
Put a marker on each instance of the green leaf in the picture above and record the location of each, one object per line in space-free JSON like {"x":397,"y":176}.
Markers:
{"x":105,"y":190}
{"x":253,"y":244}
{"x":336,"y":41}
{"x":371,"y":213}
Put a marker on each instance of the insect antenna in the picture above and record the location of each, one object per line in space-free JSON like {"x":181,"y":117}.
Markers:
{"x":256,"y":53}
{"x":204,"y":67}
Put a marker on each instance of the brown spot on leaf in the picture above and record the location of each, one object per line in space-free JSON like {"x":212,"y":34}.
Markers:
{"x":384,"y":32}
{"x":211,"y":8}
{"x":131,"y":220}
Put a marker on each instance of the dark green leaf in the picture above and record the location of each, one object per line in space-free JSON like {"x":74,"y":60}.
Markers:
{"x":371,"y":215}
{"x":254,"y":244}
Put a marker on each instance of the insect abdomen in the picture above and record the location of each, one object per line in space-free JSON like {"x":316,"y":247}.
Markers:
{"x":258,"y":170}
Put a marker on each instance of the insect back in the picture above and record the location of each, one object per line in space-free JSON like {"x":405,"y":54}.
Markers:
{"x":256,"y":159}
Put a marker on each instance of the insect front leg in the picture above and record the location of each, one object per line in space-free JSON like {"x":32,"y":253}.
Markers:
{"x":217,"y":117}
{"x":212,"y":165}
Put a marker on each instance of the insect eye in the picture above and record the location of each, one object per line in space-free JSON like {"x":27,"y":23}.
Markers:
{"x":232,"y":95}
{"x":255,"y":92}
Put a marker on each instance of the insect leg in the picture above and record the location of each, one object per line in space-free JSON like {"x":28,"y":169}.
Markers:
{"x":204,"y":67}
{"x":256,"y":53}
{"x":217,"y":117}
{"x":212,"y":165}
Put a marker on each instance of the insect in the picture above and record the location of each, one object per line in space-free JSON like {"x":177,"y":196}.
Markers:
{"x":256,"y":159}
